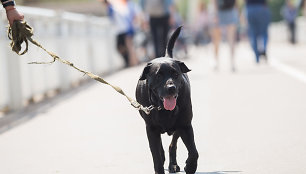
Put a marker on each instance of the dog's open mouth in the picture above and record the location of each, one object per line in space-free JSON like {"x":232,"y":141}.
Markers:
{"x":169,"y":102}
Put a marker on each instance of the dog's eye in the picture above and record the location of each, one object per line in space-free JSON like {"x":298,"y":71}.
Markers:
{"x":159,"y":76}
{"x":175,"y":75}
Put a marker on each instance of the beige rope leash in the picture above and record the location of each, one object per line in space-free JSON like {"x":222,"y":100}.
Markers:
{"x":21,"y":32}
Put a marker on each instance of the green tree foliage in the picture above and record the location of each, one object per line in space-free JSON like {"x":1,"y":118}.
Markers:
{"x":275,"y":6}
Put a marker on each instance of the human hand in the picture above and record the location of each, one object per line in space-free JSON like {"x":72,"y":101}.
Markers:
{"x":12,"y":14}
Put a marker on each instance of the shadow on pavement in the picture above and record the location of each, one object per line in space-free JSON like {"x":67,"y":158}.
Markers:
{"x":216,"y":172}
{"x":219,"y":172}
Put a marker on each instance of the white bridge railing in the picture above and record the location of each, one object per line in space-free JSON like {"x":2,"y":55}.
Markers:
{"x":87,"y":41}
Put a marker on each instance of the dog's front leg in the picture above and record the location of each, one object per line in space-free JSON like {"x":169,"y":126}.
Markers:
{"x":188,"y":139}
{"x":155,"y":147}
{"x":173,"y":167}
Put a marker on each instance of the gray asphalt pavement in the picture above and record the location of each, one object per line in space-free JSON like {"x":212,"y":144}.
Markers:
{"x":252,"y":121}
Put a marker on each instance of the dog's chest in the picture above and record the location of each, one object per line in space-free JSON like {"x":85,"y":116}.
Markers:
{"x":165,"y":121}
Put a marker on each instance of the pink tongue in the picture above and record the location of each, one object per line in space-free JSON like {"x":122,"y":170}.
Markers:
{"x":169,"y":103}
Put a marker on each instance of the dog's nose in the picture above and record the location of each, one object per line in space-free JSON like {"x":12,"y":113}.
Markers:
{"x":171,"y":88}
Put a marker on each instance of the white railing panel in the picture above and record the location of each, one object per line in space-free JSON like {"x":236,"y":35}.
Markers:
{"x":87,"y":41}
{"x":4,"y":97}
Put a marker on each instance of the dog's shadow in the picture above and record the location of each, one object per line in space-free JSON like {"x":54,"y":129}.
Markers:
{"x":216,"y":172}
{"x":219,"y":172}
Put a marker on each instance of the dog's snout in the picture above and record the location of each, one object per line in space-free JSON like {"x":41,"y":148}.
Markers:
{"x":171,"y":88}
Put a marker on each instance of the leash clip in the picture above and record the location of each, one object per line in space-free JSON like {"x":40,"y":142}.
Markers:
{"x":148,"y":110}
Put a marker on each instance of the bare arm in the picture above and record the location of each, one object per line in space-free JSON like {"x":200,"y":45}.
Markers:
{"x":11,"y":12}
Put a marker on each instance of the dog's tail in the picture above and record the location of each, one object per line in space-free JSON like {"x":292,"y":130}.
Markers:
{"x":174,"y":36}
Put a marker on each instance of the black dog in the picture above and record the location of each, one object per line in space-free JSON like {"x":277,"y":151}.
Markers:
{"x":164,"y":84}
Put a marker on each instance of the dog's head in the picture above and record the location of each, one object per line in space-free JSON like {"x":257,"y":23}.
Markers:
{"x":164,"y":77}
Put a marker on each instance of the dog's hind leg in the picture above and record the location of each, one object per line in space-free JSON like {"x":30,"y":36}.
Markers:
{"x":173,"y":167}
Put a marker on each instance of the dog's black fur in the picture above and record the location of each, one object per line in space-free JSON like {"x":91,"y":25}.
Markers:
{"x":161,"y":78}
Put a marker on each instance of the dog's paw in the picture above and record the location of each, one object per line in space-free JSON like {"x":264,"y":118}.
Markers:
{"x":174,"y":168}
{"x":189,"y":170}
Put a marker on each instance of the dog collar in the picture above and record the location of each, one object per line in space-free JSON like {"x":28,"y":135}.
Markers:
{"x":159,"y":108}
{"x":148,"y":109}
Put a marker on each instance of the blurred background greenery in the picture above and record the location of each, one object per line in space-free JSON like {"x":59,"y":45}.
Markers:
{"x":275,"y":7}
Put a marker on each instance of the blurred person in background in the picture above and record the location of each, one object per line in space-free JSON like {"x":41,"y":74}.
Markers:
{"x":201,"y":25}
{"x":289,"y":13}
{"x":160,"y":19}
{"x":124,"y":13}
{"x":11,"y":12}
{"x":258,"y":17}
{"x":225,"y":17}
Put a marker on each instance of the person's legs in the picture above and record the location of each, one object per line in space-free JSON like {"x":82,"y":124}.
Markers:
{"x":231,"y":39}
{"x":122,"y":49}
{"x":165,"y":27}
{"x":216,"y":38}
{"x":154,"y":31}
{"x":132,"y":59}
{"x":252,"y":17}
{"x":292,"y":32}
{"x":159,"y":29}
{"x":253,"y":37}
{"x":265,"y":41}
{"x":263,"y":21}
{"x":159,"y":40}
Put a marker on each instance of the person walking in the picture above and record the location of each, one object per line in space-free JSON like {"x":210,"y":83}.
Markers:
{"x":11,"y":12}
{"x":226,"y":17}
{"x":289,"y":13}
{"x":258,"y":17}
{"x":123,"y":13}
{"x":159,"y":13}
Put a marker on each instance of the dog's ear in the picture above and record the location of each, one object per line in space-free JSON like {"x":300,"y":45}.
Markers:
{"x":183,"y":67}
{"x":145,"y":72}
